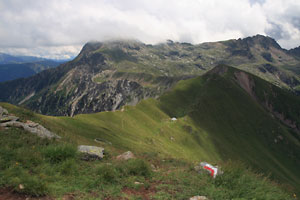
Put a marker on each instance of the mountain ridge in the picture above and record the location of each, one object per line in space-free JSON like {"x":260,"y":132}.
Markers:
{"x":107,"y":75}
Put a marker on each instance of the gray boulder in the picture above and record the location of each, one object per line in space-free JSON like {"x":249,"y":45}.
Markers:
{"x":8,"y":118}
{"x":91,"y":152}
{"x":3,"y":111}
{"x":38,"y":129}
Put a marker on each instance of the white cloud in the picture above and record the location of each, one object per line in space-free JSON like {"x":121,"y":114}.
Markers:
{"x":52,"y":27}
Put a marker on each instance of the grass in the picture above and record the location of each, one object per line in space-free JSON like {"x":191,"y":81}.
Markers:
{"x":26,"y":169}
{"x":217,"y":121}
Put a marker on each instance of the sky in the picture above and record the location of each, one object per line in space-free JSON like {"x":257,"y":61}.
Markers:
{"x":59,"y":28}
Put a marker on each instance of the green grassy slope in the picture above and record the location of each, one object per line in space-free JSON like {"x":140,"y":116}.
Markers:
{"x":238,"y":126}
{"x":217,"y":121}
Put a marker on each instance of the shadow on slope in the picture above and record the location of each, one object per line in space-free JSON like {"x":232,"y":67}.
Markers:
{"x":237,"y":123}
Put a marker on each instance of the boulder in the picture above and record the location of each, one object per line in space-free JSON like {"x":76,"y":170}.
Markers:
{"x":9,"y":118}
{"x":31,"y":124}
{"x":91,"y":152}
{"x":38,"y":129}
{"x":3,"y":111}
{"x":126,"y":156}
{"x":174,"y":119}
{"x":199,"y":198}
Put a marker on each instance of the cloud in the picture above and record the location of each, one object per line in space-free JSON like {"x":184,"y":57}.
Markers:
{"x":55,"y":27}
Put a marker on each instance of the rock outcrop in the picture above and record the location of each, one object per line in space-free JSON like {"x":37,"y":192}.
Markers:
{"x":7,"y":120}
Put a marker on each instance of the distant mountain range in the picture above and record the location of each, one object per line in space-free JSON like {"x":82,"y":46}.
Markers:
{"x":13,"y":67}
{"x":108,"y":75}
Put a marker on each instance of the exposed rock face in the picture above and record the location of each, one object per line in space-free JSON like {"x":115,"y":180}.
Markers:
{"x":106,"y":76}
{"x":91,"y":152}
{"x":245,"y":82}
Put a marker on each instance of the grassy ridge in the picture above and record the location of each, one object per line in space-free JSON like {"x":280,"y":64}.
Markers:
{"x":37,"y":167}
{"x":238,"y":126}
{"x":217,"y":121}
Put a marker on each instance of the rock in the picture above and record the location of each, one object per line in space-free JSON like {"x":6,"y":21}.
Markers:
{"x":38,"y":129}
{"x":174,"y":119}
{"x":9,"y":118}
{"x":91,"y":152}
{"x":126,"y":156}
{"x":32,"y":124}
{"x":212,"y":170}
{"x":98,"y":140}
{"x":3,"y":111}
{"x":21,"y":187}
{"x":199,"y":198}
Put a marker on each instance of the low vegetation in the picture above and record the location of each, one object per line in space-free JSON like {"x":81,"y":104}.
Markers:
{"x":39,"y":167}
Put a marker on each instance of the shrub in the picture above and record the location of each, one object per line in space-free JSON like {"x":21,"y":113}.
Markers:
{"x":58,"y":153}
{"x":137,"y":167}
{"x":24,"y":183}
{"x":33,"y":186}
{"x":107,"y":173}
{"x":68,"y":167}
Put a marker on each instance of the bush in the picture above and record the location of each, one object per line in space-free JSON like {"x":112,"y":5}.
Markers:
{"x":25,"y":183}
{"x":108,"y":173}
{"x":137,"y":167}
{"x":33,"y":186}
{"x":68,"y":167}
{"x":58,"y":153}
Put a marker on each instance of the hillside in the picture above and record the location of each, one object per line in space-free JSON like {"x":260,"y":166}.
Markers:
{"x":224,"y":115}
{"x":108,"y":75}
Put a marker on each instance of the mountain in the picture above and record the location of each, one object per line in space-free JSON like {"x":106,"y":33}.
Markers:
{"x":225,"y":114}
{"x":22,"y":70}
{"x":9,"y":59}
{"x":295,"y":52}
{"x":107,"y":75}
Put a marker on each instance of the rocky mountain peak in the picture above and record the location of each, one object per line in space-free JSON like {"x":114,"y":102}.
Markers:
{"x":112,"y":44}
{"x":264,"y":41}
{"x":295,"y":51}
{"x":91,"y":46}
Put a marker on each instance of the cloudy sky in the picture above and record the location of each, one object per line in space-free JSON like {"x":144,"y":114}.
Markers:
{"x":59,"y":28}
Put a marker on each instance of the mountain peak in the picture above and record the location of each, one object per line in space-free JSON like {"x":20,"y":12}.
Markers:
{"x":112,"y":44}
{"x":220,"y":69}
{"x":295,"y":51}
{"x":91,"y":46}
{"x":265,"y":41}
